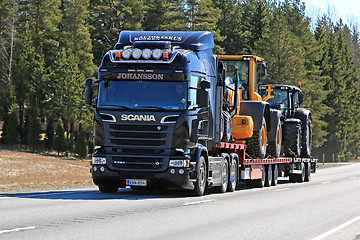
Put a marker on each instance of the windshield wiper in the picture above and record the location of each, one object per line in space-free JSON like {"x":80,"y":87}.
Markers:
{"x":154,"y":107}
{"x":118,"y":106}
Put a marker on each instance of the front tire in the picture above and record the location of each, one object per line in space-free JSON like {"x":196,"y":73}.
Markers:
{"x":275,"y":145}
{"x":201,"y":178}
{"x":108,"y":188}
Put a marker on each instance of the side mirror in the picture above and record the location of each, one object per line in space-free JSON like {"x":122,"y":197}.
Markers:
{"x":204,"y":84}
{"x":88,"y":95}
{"x":202,"y":98}
{"x":88,"y":82}
{"x":301,"y":98}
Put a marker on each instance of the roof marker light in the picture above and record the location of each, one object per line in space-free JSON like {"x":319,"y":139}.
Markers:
{"x":165,"y":56}
{"x":118,"y":55}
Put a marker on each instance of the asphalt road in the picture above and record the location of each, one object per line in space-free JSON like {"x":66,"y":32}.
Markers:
{"x":328,"y":207}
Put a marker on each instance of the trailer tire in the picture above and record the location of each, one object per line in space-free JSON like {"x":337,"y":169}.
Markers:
{"x":260,"y":183}
{"x":275,"y":173}
{"x":307,"y":144}
{"x":108,"y":188}
{"x":256,"y":145}
{"x":274,"y":147}
{"x":292,"y":139}
{"x":307,"y":172}
{"x":292,"y":178}
{"x":301,"y":177}
{"x":268,"y":175}
{"x":201,"y":178}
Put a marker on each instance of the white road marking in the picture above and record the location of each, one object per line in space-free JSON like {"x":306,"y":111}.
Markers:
{"x":198,"y":202}
{"x":282,"y":189}
{"x":326,"y":182}
{"x":334,"y":230}
{"x":17,"y":229}
{"x":352,"y":177}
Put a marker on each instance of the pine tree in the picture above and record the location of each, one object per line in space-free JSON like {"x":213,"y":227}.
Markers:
{"x":81,"y":147}
{"x":59,"y":143}
{"x":11,"y":131}
{"x":76,"y":35}
{"x":230,"y":26}
{"x":34,"y":131}
{"x":164,"y":15}
{"x":49,"y":133}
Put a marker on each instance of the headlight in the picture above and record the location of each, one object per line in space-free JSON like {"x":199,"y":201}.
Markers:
{"x":179,"y":163}
{"x":146,"y":53}
{"x":136,"y":53}
{"x":157,"y":53}
{"x":126,"y":54}
{"x":98,"y":160}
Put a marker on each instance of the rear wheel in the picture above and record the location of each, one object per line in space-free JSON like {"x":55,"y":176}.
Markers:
{"x":108,"y":188}
{"x":306,"y":146}
{"x":200,"y":184}
{"x":292,"y":139}
{"x":260,"y":183}
{"x":224,"y":179}
{"x":233,"y":176}
{"x":268,"y":176}
{"x":275,"y":174}
{"x":307,"y":172}
{"x":301,"y":177}
{"x":256,"y":145}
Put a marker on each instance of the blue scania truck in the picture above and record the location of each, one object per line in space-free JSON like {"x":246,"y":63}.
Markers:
{"x":162,"y":117}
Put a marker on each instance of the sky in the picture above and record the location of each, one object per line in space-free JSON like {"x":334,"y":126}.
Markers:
{"x":348,"y":10}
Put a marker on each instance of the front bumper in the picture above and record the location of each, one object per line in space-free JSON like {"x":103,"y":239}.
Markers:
{"x":172,"y":177}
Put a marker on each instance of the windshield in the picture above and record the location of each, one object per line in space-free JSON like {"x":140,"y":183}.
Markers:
{"x":143,"y":94}
{"x":237,"y":70}
{"x":280,"y":97}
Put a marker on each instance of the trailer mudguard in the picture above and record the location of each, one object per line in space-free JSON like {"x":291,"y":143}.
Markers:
{"x":303,"y":114}
{"x":275,"y":118}
{"x":257,"y":110}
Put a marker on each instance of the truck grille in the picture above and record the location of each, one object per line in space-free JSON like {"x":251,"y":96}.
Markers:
{"x":139,"y":147}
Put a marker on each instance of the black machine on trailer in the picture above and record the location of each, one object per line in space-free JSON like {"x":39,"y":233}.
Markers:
{"x":159,"y":117}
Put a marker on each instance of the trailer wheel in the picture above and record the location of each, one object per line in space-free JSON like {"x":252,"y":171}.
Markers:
{"x":260,"y":183}
{"x":306,"y":147}
{"x":233,"y":176}
{"x":301,"y":177}
{"x":307,"y":172}
{"x":292,"y":139}
{"x":256,"y":145}
{"x":275,"y":146}
{"x":224,"y":179}
{"x":108,"y":188}
{"x":200,"y":184}
{"x":292,"y":178}
{"x":275,"y":174}
{"x":268,"y":175}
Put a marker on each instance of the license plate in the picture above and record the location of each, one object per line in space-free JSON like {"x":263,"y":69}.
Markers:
{"x":136,"y":182}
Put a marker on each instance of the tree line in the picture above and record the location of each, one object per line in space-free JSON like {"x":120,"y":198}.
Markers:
{"x":48,"y":48}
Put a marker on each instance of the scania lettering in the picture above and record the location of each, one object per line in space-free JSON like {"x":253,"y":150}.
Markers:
{"x":131,"y":117}
{"x":163,"y":117}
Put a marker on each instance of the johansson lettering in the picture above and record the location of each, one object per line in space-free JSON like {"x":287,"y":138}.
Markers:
{"x":142,"y":76}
